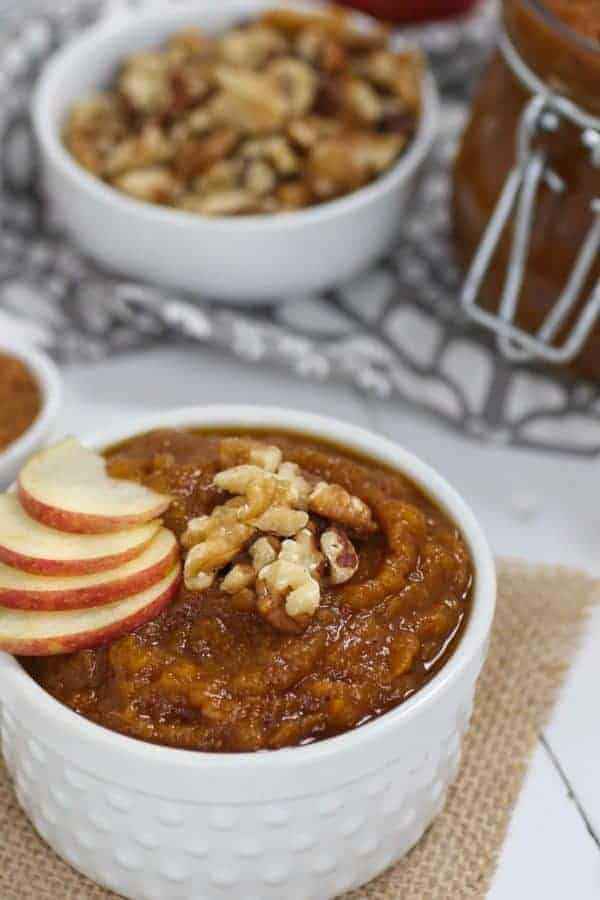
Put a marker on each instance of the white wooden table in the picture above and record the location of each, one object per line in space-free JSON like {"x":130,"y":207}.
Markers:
{"x":537,"y":507}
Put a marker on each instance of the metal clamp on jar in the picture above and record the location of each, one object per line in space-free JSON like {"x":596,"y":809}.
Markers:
{"x":527,"y":193}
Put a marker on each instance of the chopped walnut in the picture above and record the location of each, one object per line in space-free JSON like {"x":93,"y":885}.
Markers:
{"x":267,"y":457}
{"x":304,"y":551}
{"x":258,"y":486}
{"x":281,"y":520}
{"x":255,"y":88}
{"x":340,"y":554}
{"x":288,"y":595}
{"x":293,"y":195}
{"x":213,"y":542}
{"x":240,"y":576}
{"x":144,"y":82}
{"x":296,"y":83}
{"x":264,"y":551}
{"x":337,"y":165}
{"x":196,"y":155}
{"x":219,"y":203}
{"x":298,"y":487}
{"x":272,"y":499}
{"x":155,"y":184}
{"x":206,"y":558}
{"x":275,"y":149}
{"x":334,"y":502}
{"x":363,"y":101}
{"x":150,"y":147}
{"x":260,"y":177}
{"x":308,"y":130}
{"x":401,"y":73}
{"x":265,"y":490}
{"x":233,"y":451}
{"x":251,"y":47}
{"x":271,"y":116}
{"x":196,"y":579}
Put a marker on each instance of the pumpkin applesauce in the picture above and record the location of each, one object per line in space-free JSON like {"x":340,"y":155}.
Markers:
{"x":321,"y":590}
{"x":20,"y":399}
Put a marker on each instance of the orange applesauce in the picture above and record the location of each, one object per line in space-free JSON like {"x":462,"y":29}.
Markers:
{"x":20,"y":399}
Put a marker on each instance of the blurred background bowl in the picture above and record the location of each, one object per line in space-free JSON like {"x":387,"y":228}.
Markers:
{"x":241,"y":259}
{"x":49,"y":381}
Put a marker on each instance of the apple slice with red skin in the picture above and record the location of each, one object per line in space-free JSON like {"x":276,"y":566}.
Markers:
{"x":67,"y":487}
{"x":27,"y":633}
{"x":21,"y":590}
{"x":32,"y":547}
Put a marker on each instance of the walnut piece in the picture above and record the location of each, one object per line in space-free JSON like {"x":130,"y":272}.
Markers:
{"x":240,"y":576}
{"x":340,"y":554}
{"x":304,"y":551}
{"x":287,"y":594}
{"x":154,"y":185}
{"x":251,"y":47}
{"x":267,"y":490}
{"x":334,"y":502}
{"x":213,"y":541}
{"x":144,"y":82}
{"x":296,"y":83}
{"x":281,"y":520}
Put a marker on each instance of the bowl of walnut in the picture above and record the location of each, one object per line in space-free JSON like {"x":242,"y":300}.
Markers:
{"x":236,"y":150}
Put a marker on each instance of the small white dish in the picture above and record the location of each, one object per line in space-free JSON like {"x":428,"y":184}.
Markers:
{"x":238,"y":258}
{"x":49,"y":381}
{"x":304,"y":823}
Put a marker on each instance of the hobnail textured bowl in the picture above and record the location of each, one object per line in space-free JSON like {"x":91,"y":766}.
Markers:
{"x":304,"y":823}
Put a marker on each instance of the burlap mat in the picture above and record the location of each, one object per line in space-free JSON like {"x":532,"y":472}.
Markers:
{"x":541,"y":613}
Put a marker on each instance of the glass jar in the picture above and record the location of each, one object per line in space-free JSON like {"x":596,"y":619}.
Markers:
{"x":526,"y":199}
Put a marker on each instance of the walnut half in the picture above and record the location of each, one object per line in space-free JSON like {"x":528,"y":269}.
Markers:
{"x":288,"y":591}
{"x":288,"y":595}
{"x":340,"y":554}
{"x":335,"y":503}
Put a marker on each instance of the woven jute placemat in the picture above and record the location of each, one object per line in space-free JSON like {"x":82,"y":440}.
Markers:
{"x":540,"y":619}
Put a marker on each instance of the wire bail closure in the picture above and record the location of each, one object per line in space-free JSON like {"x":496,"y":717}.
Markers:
{"x":543,"y":114}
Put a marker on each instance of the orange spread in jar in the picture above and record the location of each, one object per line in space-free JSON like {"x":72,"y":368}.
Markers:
{"x":568,"y":62}
{"x":580,"y":15}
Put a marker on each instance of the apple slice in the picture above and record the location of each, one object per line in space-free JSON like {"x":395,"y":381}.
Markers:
{"x":67,"y":487}
{"x":27,"y":633}
{"x":21,"y":590}
{"x":32,"y":547}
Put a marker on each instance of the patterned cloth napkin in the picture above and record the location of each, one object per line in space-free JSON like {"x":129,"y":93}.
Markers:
{"x":540,"y":618}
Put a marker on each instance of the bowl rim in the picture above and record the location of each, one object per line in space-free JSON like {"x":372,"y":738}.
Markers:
{"x":49,"y":381}
{"x":70,"y":57}
{"x":471,"y":646}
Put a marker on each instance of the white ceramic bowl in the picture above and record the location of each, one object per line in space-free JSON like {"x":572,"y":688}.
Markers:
{"x":48,"y":379}
{"x":303,"y":823}
{"x":244,"y":259}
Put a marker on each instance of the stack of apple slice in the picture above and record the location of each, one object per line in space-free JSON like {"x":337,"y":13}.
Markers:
{"x":83,"y":556}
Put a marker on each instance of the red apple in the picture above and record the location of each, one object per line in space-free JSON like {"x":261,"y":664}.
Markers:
{"x":27,"y":633}
{"x":67,"y":487}
{"x":32,"y":547}
{"x":22,"y":590}
{"x":411,"y":10}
